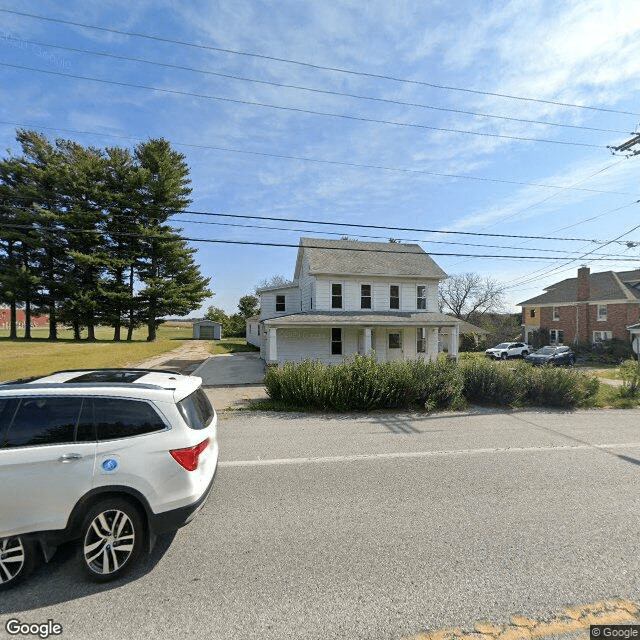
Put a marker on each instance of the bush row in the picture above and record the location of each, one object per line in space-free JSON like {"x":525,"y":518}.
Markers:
{"x":364,"y":384}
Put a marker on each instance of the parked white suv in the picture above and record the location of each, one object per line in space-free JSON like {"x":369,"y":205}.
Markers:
{"x":508,"y":350}
{"x":112,"y":457}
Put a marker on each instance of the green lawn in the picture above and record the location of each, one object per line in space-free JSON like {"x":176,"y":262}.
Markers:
{"x":24,"y":358}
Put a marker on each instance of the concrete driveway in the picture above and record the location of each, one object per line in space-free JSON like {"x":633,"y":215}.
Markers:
{"x":231,"y":369}
{"x":233,"y":380}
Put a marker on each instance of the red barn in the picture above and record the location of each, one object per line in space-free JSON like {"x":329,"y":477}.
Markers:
{"x":36,"y":321}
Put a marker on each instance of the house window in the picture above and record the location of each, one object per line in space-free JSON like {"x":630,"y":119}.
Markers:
{"x":394,"y":296}
{"x":421,"y":342}
{"x":336,"y":341}
{"x":556,"y":313}
{"x":280,"y":303}
{"x":602,"y":336}
{"x":336,"y":296}
{"x":602,"y":312}
{"x":395,"y":341}
{"x":421,"y":297}
{"x":556,"y":336}
{"x":365,"y":296}
{"x":532,"y":313}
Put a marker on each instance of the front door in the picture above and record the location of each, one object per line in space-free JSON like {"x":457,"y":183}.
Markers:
{"x":395,"y":349}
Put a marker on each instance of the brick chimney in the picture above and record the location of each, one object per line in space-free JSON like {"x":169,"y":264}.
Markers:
{"x":584,"y":292}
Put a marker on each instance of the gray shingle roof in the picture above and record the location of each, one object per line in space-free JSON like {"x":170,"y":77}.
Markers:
{"x":603,"y":286}
{"x":352,"y":257}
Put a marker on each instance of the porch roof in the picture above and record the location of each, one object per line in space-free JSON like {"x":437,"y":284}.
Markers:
{"x":360,"y":318}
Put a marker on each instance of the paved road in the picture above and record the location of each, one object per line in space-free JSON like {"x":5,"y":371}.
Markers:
{"x":379,"y":526}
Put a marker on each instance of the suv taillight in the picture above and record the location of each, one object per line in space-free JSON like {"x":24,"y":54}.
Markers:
{"x":188,"y":458}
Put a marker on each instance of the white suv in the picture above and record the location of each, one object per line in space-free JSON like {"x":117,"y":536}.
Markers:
{"x":508,"y":350}
{"x":112,"y":457}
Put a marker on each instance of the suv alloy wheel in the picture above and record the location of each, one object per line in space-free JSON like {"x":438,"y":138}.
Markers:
{"x":112,"y":538}
{"x":17,"y":559}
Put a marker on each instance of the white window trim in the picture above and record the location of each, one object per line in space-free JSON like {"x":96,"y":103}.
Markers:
{"x":606,"y":313}
{"x":399,"y":297}
{"x":362,"y":284}
{"x":555,"y":313}
{"x":425,"y":297}
{"x":608,"y":336}
{"x":341,"y":295}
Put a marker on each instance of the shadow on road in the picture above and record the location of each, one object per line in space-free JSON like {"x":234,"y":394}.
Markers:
{"x":62,"y":579}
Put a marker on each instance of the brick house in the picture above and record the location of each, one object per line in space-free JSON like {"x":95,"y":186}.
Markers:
{"x":590,"y":308}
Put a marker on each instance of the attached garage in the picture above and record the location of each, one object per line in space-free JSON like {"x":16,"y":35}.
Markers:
{"x":207,"y":330}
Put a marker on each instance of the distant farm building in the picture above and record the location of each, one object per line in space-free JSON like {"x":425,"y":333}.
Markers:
{"x":207,"y":330}
{"x":36,"y":321}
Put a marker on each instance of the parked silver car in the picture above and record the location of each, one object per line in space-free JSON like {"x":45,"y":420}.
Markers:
{"x":111,"y":457}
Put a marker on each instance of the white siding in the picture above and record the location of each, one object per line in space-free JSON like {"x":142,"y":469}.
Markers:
{"x":379,"y":291}
{"x":314,"y":343}
{"x":268,"y":302}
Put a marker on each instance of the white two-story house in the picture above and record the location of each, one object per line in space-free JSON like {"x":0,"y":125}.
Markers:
{"x":349,"y":297}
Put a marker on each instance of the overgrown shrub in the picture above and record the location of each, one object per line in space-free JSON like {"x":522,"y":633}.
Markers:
{"x":487,"y":382}
{"x":555,"y":387}
{"x":630,"y":372}
{"x":363,"y":384}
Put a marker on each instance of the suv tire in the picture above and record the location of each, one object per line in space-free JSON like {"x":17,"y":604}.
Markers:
{"x":17,"y":560}
{"x":112,"y":539}
{"x":503,"y":356}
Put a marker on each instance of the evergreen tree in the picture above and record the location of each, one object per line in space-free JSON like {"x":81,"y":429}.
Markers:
{"x":171,"y":281}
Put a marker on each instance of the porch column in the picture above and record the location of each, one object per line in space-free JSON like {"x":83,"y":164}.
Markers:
{"x":272,"y":346}
{"x":432,"y":342}
{"x":367,"y":341}
{"x":453,"y":341}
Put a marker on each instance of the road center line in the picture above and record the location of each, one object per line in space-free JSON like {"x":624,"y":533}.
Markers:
{"x":419,"y":454}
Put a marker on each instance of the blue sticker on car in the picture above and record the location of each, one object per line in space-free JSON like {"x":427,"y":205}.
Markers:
{"x":110,"y":465}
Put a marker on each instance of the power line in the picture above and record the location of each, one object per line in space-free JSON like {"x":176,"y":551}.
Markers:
{"x":354,"y":165}
{"x":327,"y":114}
{"x":360,"y":235}
{"x":9,"y":200}
{"x":377,"y":250}
{"x":316,"y":90}
{"x":574,"y":260}
{"x":387,"y":228}
{"x":315,"y":66}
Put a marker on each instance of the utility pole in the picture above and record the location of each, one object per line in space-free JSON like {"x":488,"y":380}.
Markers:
{"x":626,"y":148}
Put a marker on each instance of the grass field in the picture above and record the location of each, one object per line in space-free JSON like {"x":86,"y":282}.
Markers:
{"x":21,"y":358}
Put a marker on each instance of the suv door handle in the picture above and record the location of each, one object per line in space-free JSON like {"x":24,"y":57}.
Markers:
{"x":69,"y":457}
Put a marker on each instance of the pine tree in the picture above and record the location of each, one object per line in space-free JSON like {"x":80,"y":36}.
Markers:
{"x":171,"y":281}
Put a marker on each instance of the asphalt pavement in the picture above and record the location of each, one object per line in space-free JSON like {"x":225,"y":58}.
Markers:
{"x":486,"y":524}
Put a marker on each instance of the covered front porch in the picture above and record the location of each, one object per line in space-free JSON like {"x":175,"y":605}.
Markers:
{"x":333,"y":338}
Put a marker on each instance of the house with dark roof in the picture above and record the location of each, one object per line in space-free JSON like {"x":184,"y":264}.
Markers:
{"x":349,"y":297}
{"x":591,"y":308}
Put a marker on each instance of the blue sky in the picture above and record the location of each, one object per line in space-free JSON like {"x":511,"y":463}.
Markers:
{"x":428,"y":166}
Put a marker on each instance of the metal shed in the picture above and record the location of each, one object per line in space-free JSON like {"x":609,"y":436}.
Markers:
{"x":207,"y":330}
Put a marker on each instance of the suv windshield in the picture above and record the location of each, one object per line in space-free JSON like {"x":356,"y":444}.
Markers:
{"x":503,"y":345}
{"x":196,"y":410}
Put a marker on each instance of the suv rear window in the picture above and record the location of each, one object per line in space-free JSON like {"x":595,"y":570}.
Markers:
{"x":196,"y":410}
{"x":123,"y":418}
